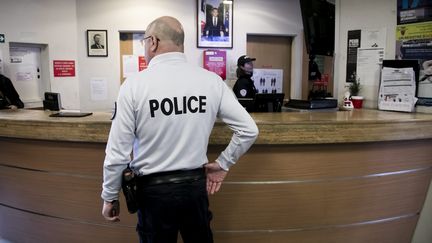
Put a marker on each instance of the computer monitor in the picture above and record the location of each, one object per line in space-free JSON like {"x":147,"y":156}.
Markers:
{"x":52,"y":101}
{"x":269,"y":102}
{"x":247,"y":103}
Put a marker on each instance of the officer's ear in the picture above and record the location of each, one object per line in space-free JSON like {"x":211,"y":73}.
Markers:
{"x":155,"y":43}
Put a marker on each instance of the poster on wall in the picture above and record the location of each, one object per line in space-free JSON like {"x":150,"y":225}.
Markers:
{"x":1,"y":62}
{"x":215,"y":23}
{"x":353,"y":43}
{"x":215,"y":61}
{"x":414,"y":41}
{"x":133,"y":64}
{"x":373,"y":38}
{"x":369,"y":62}
{"x":98,"y":89}
{"x":268,"y":80}
{"x":64,"y":68}
{"x":414,"y":11}
{"x":138,"y":44}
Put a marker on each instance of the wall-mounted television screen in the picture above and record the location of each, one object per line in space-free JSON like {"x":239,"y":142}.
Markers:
{"x":319,"y":26}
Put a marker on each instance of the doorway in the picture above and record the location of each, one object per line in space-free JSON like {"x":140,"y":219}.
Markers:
{"x":272,"y":52}
{"x":131,"y":53}
{"x":25,"y":72}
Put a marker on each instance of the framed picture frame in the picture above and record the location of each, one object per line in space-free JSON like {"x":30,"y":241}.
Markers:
{"x":97,"y":43}
{"x":215,"y":23}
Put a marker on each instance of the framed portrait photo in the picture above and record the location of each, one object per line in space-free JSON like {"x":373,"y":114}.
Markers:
{"x":215,"y":23}
{"x":97,"y":43}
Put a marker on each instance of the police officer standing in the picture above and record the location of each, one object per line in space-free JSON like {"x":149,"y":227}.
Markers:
{"x":165,"y":115}
{"x":244,"y":86}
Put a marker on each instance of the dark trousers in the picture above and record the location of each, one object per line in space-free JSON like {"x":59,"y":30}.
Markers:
{"x":169,"y":208}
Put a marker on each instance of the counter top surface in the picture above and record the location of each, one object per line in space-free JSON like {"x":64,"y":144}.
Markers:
{"x":275,"y":128}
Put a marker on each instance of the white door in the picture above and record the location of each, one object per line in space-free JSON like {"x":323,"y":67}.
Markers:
{"x":24,"y":71}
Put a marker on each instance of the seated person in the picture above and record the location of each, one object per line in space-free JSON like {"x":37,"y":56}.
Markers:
{"x":9,"y":98}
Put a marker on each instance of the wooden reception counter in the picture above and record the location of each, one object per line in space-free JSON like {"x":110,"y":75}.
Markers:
{"x":347,"y":176}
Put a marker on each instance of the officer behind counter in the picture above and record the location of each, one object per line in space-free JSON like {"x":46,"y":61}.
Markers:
{"x":244,"y":86}
{"x":165,"y":115}
{"x":9,"y":97}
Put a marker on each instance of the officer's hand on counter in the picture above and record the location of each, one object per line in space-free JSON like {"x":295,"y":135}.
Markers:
{"x":215,"y":176}
{"x":111,"y":211}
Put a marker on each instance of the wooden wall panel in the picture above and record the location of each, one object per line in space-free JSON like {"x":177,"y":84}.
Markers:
{"x":19,"y":226}
{"x":307,"y":205}
{"x":22,"y":227}
{"x":56,"y":195}
{"x":291,"y":193}
{"x":61,"y":157}
{"x":312,"y":162}
{"x":399,"y":231}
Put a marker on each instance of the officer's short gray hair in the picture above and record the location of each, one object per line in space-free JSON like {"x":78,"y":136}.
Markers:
{"x":168,"y":28}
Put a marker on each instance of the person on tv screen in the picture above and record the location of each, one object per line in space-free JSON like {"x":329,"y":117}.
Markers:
{"x":244,"y":86}
{"x":214,"y":26}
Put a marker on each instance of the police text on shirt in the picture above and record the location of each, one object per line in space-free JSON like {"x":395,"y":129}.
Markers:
{"x":167,"y":106}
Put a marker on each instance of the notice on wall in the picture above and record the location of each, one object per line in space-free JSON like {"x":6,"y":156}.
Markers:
{"x":268,"y":80}
{"x":354,"y":37}
{"x":397,"y":89}
{"x":369,"y":62}
{"x":215,"y":61}
{"x":414,"y":41}
{"x":23,"y":73}
{"x":372,"y":38}
{"x":1,"y":63}
{"x":142,"y":64}
{"x":138,"y":44}
{"x":64,"y":68}
{"x":133,"y":64}
{"x":98,"y":89}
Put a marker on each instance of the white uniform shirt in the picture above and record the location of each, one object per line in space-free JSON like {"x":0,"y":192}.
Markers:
{"x":166,"y":114}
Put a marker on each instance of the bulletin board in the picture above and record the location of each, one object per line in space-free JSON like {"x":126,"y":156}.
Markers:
{"x":129,"y":46}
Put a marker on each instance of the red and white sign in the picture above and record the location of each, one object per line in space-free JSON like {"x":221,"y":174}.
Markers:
{"x":64,"y":68}
{"x":215,"y":61}
{"x":142,"y":64}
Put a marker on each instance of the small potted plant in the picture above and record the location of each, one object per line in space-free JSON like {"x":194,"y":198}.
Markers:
{"x":354,"y":89}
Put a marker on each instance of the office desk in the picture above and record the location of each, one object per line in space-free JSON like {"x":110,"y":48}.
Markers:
{"x":348,"y":176}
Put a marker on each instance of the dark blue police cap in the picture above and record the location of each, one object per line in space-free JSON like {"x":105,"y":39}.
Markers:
{"x":244,"y":59}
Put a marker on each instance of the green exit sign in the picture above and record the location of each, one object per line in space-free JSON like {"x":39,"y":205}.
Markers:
{"x":2,"y":38}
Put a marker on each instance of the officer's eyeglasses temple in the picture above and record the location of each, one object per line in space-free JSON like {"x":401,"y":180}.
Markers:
{"x":145,"y":38}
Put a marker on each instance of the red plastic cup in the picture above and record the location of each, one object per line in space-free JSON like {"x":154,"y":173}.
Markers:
{"x":357,"y":101}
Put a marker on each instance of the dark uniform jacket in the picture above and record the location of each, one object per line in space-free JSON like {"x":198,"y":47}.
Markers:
{"x":244,"y":87}
{"x":8,"y":94}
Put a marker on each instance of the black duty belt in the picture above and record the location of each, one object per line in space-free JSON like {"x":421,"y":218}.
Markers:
{"x":177,"y":176}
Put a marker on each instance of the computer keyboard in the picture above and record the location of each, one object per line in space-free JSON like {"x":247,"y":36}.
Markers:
{"x":70,"y":114}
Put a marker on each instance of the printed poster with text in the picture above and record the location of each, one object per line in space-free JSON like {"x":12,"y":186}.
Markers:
{"x":414,"y":41}
{"x":215,"y":61}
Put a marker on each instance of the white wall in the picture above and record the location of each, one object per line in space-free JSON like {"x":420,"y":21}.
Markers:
{"x":365,"y":14}
{"x":62,"y":25}
{"x":275,"y":17}
{"x":373,"y":14}
{"x":51,"y":22}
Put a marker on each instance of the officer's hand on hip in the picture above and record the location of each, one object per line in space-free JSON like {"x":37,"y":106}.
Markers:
{"x":111,"y":211}
{"x":215,"y":176}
